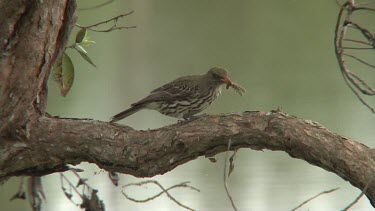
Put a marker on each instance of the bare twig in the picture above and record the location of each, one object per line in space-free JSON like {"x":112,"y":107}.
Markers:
{"x":360,"y":60}
{"x":366,"y":33}
{"x":231,"y":162}
{"x":338,"y":3}
{"x":109,"y":20}
{"x":357,"y":48}
{"x":71,"y":187}
{"x":93,"y":27}
{"x":181,"y":185}
{"x":367,"y":3}
{"x":96,"y":6}
{"x":35,"y":192}
{"x":359,"y":96}
{"x":88,"y":195}
{"x":112,"y":28}
{"x":114,"y":177}
{"x":357,"y":41}
{"x":225,"y":175}
{"x":358,"y":197}
{"x":312,"y":198}
{"x":364,"y":8}
{"x":366,"y":90}
{"x":21,"y":194}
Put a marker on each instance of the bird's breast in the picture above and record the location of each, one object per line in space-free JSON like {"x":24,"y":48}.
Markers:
{"x":189,"y":105}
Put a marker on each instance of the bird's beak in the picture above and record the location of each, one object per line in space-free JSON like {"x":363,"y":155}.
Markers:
{"x":226,"y":80}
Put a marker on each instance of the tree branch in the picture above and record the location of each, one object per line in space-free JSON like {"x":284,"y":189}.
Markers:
{"x":54,"y":142}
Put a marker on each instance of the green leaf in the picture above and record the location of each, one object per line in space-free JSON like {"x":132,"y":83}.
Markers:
{"x":81,"y":35}
{"x":86,"y":42}
{"x":79,"y":48}
{"x":67,"y":76}
{"x":83,"y":53}
{"x":63,"y":73}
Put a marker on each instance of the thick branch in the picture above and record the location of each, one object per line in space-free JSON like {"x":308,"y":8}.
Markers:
{"x":54,"y":142}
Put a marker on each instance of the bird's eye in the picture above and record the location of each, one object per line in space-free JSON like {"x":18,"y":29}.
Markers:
{"x":217,"y":77}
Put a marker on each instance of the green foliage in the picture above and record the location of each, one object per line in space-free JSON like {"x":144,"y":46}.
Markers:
{"x":81,"y":35}
{"x":83,"y":53}
{"x":64,"y":74}
{"x":63,"y":70}
{"x":83,"y":40}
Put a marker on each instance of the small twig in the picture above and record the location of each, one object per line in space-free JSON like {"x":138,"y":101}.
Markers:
{"x":109,"y":20}
{"x":64,"y":178}
{"x":360,"y":60}
{"x":225,"y":176}
{"x":97,"y":6}
{"x":181,"y":185}
{"x":357,"y":48}
{"x":21,"y":194}
{"x":358,"y":95}
{"x":114,"y":177}
{"x":366,"y":33}
{"x":367,"y":90}
{"x":364,"y":8}
{"x":358,"y":41}
{"x":367,"y":3}
{"x":231,"y":162}
{"x":358,"y":197}
{"x":312,"y":198}
{"x":338,"y":3}
{"x":112,"y":28}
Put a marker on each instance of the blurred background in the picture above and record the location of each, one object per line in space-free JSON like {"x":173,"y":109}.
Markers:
{"x":281,"y":52}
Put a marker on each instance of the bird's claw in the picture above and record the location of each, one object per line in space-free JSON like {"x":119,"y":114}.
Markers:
{"x":192,"y":118}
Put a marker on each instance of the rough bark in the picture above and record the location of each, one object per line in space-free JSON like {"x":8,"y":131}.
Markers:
{"x":51,"y":143}
{"x":33,"y":34}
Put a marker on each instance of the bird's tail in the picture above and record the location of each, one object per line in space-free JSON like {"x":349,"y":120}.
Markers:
{"x":126,"y":113}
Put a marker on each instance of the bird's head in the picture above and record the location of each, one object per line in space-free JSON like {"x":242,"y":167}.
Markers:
{"x":218,"y":76}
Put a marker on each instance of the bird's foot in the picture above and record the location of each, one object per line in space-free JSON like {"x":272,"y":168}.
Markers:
{"x":192,"y":118}
{"x":186,"y":119}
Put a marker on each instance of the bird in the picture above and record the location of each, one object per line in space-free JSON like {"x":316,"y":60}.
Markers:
{"x":183,"y":97}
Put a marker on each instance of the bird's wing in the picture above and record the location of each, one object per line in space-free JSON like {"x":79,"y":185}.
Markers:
{"x":181,"y":85}
{"x":177,"y":89}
